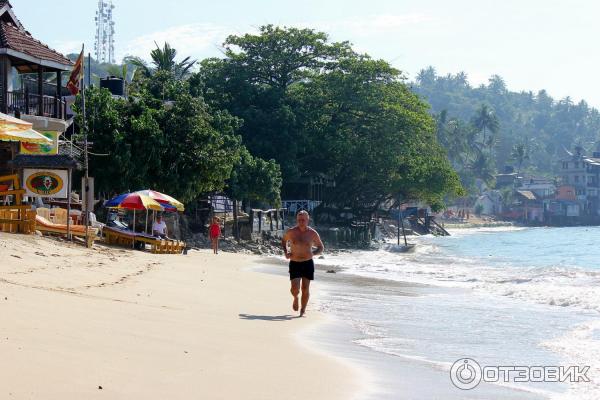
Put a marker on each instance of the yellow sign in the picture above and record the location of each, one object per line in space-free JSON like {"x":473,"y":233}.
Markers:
{"x":44,"y":183}
{"x":42,"y":149}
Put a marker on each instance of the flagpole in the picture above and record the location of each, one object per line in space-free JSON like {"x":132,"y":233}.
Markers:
{"x":85,"y":152}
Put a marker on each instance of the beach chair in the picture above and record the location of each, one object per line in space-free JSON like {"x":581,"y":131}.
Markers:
{"x":43,"y":212}
{"x":60,"y":216}
{"x":45,"y":226}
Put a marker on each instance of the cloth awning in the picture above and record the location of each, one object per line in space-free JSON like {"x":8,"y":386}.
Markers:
{"x":29,"y":136}
{"x":16,"y":130}
{"x":527,"y":194}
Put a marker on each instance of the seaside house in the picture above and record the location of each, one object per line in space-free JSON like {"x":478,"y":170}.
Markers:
{"x":582,"y":174}
{"x":31,"y":89}
{"x":490,"y":202}
{"x":507,"y":178}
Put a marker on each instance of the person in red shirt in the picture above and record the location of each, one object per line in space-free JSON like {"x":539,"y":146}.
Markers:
{"x":214,"y":232}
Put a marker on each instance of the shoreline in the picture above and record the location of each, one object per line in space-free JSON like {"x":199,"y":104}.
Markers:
{"x":113,"y":323}
{"x":388,"y":376}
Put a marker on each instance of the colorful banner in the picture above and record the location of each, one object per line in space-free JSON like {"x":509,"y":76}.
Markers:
{"x":42,"y":149}
{"x":76,"y":75}
{"x":46,"y":183}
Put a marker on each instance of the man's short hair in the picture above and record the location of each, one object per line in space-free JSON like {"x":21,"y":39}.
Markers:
{"x":302,"y":212}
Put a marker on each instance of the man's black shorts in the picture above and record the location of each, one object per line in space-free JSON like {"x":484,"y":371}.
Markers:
{"x":302,"y":269}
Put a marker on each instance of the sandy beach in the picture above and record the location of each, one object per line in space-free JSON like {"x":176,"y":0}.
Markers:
{"x":109,"y":323}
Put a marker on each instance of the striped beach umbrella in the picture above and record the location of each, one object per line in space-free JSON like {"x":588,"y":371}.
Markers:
{"x":164,"y":199}
{"x":134,"y":201}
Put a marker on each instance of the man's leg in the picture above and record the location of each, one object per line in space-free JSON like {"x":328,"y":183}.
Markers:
{"x":305,"y":294}
{"x":295,"y":290}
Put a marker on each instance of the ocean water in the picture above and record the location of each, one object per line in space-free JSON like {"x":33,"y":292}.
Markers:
{"x":503,"y":297}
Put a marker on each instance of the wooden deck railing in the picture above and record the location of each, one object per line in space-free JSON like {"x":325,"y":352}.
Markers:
{"x":34,"y":104}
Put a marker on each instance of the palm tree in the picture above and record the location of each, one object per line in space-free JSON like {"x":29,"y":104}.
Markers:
{"x":482,"y":167}
{"x":163,"y":60}
{"x":519,"y":153}
{"x":485,"y":120}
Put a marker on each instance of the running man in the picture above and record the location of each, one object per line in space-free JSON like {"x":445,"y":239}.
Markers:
{"x":301,"y":239}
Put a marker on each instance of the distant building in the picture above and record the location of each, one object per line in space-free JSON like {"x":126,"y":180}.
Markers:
{"x":543,"y":188}
{"x":507,"y":178}
{"x":490,"y":202}
{"x":582,"y":173}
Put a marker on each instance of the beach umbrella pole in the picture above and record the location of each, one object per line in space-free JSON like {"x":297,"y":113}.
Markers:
{"x":133,"y":245}
{"x":146,"y":220}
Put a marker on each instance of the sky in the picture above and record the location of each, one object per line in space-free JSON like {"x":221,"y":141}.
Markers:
{"x":532,"y":44}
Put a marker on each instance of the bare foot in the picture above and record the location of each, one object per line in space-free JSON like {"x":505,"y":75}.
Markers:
{"x":302,"y":312}
{"x":295,"y":305}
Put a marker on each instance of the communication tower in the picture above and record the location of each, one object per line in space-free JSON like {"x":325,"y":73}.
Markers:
{"x":105,"y":32}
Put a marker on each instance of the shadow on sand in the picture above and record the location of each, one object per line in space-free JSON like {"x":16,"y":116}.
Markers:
{"x":268,"y":317}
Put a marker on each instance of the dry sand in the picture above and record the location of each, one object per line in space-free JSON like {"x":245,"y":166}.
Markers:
{"x":112,"y":324}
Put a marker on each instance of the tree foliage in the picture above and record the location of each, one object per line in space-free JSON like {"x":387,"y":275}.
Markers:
{"x":545,"y":126}
{"x":319,"y":108}
{"x":183,"y":148}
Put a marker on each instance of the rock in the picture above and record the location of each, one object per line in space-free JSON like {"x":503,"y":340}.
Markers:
{"x":331,"y":271}
{"x":99,"y":387}
{"x":321,"y":257}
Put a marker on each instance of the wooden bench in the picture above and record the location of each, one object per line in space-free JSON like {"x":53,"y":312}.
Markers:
{"x":128,"y":238}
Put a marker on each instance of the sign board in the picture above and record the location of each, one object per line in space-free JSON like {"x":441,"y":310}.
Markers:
{"x":46,"y":183}
{"x":42,"y":149}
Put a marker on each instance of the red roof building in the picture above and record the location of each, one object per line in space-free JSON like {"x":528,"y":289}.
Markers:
{"x":22,"y":53}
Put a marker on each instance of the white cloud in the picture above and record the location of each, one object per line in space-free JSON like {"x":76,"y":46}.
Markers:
{"x":196,"y":40}
{"x":374,"y":24}
{"x":66,"y":46}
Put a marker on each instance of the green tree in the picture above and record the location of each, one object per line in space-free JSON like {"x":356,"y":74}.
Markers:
{"x":520,"y":154}
{"x":255,"y":180}
{"x":486,"y":121}
{"x":163,"y":60}
{"x":184,"y":150}
{"x":482,"y":166}
{"x":319,"y":108}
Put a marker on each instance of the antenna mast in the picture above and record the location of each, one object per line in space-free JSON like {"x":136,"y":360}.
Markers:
{"x":105,"y":32}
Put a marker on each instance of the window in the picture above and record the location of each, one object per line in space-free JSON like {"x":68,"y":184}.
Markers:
{"x":566,"y":178}
{"x":576,"y":178}
{"x":576,"y":164}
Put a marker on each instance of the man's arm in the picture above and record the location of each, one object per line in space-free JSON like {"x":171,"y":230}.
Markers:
{"x":284,"y":240}
{"x":318,"y":244}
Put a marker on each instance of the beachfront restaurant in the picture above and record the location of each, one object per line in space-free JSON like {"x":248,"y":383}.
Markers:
{"x":33,"y":116}
{"x":31,"y":90}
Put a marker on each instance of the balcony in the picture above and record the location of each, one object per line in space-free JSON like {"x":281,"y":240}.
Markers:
{"x":19,"y":103}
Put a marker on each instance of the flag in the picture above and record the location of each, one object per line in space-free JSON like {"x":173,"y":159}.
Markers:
{"x":76,"y":75}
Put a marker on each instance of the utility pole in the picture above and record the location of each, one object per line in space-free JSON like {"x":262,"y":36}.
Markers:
{"x":86,"y":185}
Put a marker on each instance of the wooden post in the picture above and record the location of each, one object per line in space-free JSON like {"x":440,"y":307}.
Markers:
{"x":4,"y":68}
{"x":251,"y":220}
{"x":69,"y":205}
{"x":57,"y":107}
{"x":26,"y":100}
{"x":236,"y":230}
{"x":40,"y":90}
{"x":260,"y":221}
